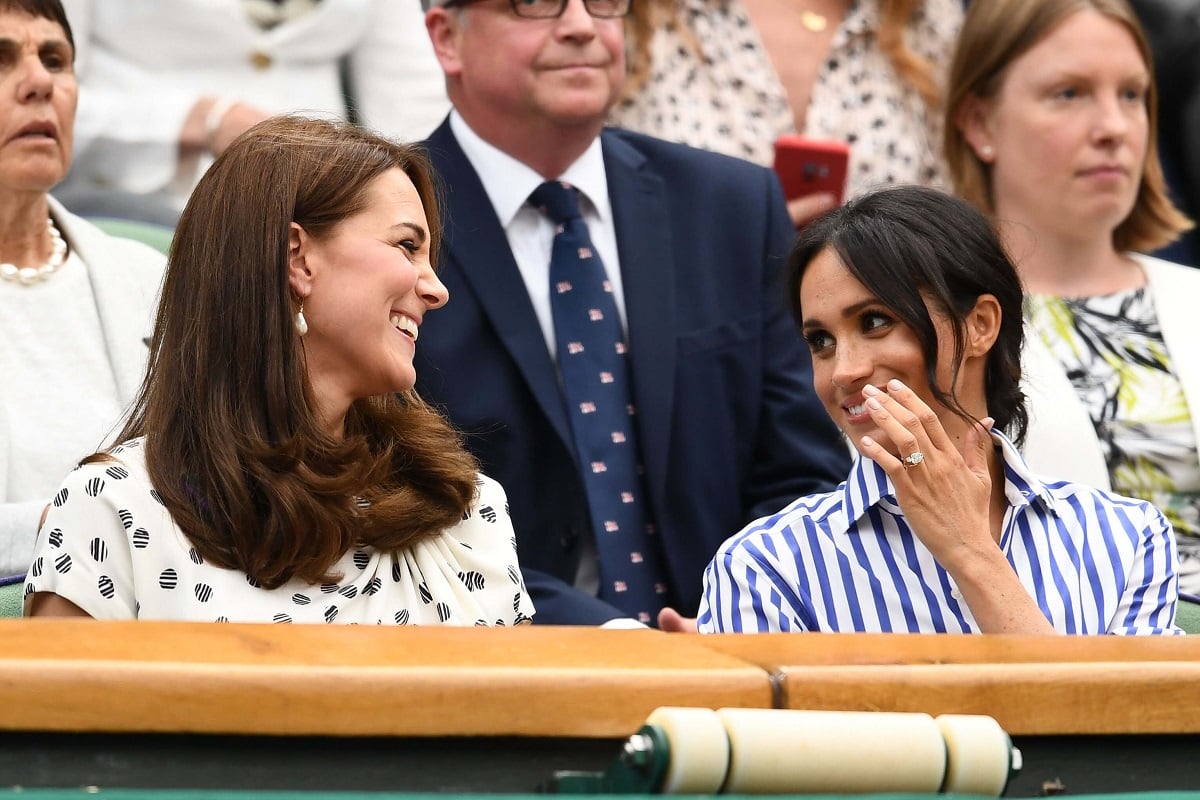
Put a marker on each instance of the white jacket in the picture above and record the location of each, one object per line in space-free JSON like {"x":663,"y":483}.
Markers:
{"x":1062,"y":441}
{"x":125,"y":278}
{"x":143,"y":64}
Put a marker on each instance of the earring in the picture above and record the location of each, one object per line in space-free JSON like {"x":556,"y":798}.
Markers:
{"x":987,"y":152}
{"x":300,"y":322}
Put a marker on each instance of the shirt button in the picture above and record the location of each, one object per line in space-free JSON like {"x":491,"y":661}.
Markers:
{"x":956,"y":594}
{"x":261,"y":60}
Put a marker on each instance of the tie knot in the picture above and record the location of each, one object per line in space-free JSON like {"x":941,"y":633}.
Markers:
{"x":557,"y":200}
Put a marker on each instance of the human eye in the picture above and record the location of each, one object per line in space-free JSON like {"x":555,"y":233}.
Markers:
{"x":408,"y":244}
{"x":819,"y":341}
{"x":873,"y":321}
{"x":55,"y":60}
{"x":1134,"y":95}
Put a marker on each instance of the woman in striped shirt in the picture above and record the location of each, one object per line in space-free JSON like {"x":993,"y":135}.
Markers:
{"x":912,"y":312}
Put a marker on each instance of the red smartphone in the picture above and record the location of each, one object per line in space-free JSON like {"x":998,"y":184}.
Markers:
{"x":806,"y":166}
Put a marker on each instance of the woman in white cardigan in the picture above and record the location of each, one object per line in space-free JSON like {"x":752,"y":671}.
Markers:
{"x":1050,"y":126}
{"x":75,"y":304}
{"x":166,"y":86}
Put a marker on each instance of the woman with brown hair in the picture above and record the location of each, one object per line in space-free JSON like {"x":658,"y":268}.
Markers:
{"x":1051,"y":127}
{"x":733,"y":75}
{"x":277,"y":465}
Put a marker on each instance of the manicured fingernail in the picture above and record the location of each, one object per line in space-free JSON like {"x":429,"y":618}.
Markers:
{"x":868,"y":441}
{"x":895,"y":385}
{"x":874,"y":403}
{"x":988,"y":422}
{"x":870,"y":391}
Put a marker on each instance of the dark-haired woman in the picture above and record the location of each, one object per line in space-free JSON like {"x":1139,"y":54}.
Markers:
{"x":912,"y":312}
{"x":269,"y":471}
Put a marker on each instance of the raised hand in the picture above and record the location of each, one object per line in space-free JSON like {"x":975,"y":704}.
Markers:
{"x":945,"y":494}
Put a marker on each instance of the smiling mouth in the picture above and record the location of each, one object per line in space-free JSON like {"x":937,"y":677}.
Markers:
{"x":405,"y":324}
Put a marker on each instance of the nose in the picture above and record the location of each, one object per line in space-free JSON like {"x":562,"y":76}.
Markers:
{"x":851,"y":367}
{"x":35,"y":82}
{"x":576,"y":20}
{"x":1113,"y":118}
{"x":431,"y":289}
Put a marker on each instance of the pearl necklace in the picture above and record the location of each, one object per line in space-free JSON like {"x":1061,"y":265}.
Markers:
{"x":27,"y":276}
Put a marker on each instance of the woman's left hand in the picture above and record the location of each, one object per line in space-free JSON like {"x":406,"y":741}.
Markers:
{"x":946,"y":497}
{"x":945,"y":493}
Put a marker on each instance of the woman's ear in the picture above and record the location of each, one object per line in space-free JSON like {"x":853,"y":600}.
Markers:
{"x":973,"y":121}
{"x":983,"y":326}
{"x":300,"y":274}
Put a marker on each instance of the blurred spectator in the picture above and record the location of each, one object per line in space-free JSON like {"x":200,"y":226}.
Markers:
{"x":166,"y":86}
{"x":733,"y":75}
{"x":75,"y":303}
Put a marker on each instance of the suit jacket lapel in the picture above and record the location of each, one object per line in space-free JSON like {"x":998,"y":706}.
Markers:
{"x":476,"y":245}
{"x":639,"y":202}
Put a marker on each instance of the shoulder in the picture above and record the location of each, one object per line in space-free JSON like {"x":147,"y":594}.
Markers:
{"x":706,"y":166}
{"x":803,"y":522}
{"x":103,"y":251}
{"x":119,"y":470}
{"x":1101,"y":509}
{"x":1159,"y":270}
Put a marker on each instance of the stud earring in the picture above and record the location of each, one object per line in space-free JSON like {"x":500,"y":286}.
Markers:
{"x":987,"y":152}
{"x":300,"y":322}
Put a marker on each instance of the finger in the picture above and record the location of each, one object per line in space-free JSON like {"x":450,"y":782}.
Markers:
{"x":900,"y":424}
{"x":879,"y":454}
{"x":672,"y":621}
{"x":803,"y":209}
{"x":926,"y":417}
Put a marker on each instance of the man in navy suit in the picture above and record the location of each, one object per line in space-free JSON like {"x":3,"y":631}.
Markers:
{"x":693,"y":244}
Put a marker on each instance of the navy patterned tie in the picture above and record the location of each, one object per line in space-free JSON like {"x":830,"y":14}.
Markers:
{"x":595,"y":376}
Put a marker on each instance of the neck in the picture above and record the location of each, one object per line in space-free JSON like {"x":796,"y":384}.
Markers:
{"x":547,"y":148}
{"x":24,"y":238}
{"x":1069,"y":266}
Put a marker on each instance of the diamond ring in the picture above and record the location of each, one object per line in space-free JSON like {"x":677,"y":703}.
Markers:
{"x":913,"y":459}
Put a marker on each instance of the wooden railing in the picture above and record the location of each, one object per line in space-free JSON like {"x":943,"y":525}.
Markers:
{"x":82,"y":676}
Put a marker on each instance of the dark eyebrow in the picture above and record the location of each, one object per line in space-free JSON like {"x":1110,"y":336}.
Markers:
{"x":417,"y":231}
{"x":850,"y":311}
{"x":57,"y":46}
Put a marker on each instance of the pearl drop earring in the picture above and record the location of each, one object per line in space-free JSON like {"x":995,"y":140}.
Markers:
{"x":300,"y":322}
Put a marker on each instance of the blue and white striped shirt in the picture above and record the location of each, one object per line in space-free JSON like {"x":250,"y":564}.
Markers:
{"x":1095,"y":562}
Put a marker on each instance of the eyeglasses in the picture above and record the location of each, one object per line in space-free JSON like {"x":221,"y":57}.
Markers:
{"x":550,"y":9}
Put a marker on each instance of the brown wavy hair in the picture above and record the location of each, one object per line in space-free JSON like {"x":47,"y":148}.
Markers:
{"x":647,"y":16}
{"x":233,"y":444}
{"x":996,"y":33}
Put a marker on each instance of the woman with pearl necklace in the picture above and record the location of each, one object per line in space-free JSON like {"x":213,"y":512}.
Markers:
{"x":76,"y":304}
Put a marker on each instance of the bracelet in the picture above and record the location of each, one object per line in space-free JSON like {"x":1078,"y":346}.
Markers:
{"x":216,"y":113}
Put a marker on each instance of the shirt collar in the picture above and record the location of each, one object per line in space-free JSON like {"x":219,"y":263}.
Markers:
{"x":868,"y":485}
{"x":508,"y":182}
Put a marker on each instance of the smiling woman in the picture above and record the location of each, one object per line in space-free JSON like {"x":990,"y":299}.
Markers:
{"x":277,"y":465}
{"x":75,"y":303}
{"x":912,"y":312}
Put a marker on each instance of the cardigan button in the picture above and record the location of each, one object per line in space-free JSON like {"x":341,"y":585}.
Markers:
{"x":261,"y":60}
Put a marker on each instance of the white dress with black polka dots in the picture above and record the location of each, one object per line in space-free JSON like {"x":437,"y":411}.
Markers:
{"x":110,"y":547}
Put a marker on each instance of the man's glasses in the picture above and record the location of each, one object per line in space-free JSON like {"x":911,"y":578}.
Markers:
{"x":549,"y":9}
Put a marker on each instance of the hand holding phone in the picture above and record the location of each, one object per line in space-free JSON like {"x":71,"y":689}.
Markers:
{"x":810,"y":166}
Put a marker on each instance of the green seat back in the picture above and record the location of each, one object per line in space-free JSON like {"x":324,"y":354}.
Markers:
{"x":1187,"y":615}
{"x":157,"y":236}
{"x":11,"y":599}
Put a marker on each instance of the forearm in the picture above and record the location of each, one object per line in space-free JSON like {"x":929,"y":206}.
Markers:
{"x":997,"y":598}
